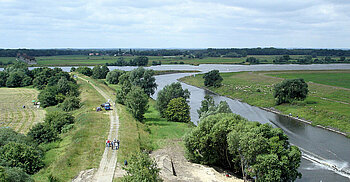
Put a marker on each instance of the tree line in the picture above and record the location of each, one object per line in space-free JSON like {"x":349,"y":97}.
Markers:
{"x":195,"y":53}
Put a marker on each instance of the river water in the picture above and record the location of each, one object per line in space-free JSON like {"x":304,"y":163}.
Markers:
{"x":326,"y":155}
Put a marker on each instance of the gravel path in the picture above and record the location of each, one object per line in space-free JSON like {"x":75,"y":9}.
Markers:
{"x":108,"y":163}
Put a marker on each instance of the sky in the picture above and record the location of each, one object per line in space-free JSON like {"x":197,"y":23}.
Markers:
{"x":174,"y":23}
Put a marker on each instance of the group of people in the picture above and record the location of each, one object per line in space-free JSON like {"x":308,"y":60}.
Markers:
{"x":113,"y":144}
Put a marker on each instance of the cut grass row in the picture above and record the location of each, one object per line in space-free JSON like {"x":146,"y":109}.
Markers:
{"x":82,"y":147}
{"x":325,"y":105}
{"x":11,"y":112}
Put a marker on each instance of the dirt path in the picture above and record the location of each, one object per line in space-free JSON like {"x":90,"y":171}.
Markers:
{"x":108,"y":163}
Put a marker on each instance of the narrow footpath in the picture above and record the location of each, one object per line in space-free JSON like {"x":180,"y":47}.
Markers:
{"x":105,"y":172}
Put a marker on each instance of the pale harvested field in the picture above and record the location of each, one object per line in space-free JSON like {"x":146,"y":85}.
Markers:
{"x":11,"y":112}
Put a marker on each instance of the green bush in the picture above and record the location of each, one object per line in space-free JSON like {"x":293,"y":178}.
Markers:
{"x":113,"y":76}
{"x":42,"y":133}
{"x":178,"y":110}
{"x":212,"y":78}
{"x":70,"y":103}
{"x":141,"y":168}
{"x":20,"y":155}
{"x":289,"y":90}
{"x":137,"y":102}
{"x":57,"y":120}
{"x":14,"y":174}
{"x":169,"y":92}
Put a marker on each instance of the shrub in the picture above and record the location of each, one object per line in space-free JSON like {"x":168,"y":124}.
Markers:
{"x":289,"y":90}
{"x":23,"y":156}
{"x":113,"y":76}
{"x":142,"y":168}
{"x":70,"y":103}
{"x":169,"y":92}
{"x":58,"y":119}
{"x":137,"y":102}
{"x":14,"y":174}
{"x":178,"y":110}
{"x":212,"y":78}
{"x":42,"y":133}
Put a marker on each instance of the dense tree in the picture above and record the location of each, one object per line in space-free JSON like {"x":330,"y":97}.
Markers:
{"x":289,"y":90}
{"x":178,"y":110}
{"x":72,"y":69}
{"x":70,"y":103}
{"x":97,"y":72}
{"x":105,"y":71}
{"x":252,"y":60}
{"x":137,"y":102}
{"x":9,"y":135}
{"x":143,"y":78}
{"x":18,"y":79}
{"x":3,"y":78}
{"x":47,"y":97}
{"x":57,"y":120}
{"x":256,"y":150}
{"x":222,"y":107}
{"x":169,"y":92}
{"x":113,"y":76}
{"x":23,"y":156}
{"x":142,"y":168}
{"x":42,"y":133}
{"x":85,"y":70}
{"x":205,"y":105}
{"x":16,"y":174}
{"x":123,"y":91}
{"x":212,"y":78}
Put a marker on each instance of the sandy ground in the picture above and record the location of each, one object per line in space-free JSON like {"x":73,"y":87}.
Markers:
{"x":186,"y":171}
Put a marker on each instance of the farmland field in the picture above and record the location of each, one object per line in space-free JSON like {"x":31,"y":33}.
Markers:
{"x":11,"y":112}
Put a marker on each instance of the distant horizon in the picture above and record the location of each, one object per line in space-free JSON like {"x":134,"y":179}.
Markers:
{"x":169,"y":48}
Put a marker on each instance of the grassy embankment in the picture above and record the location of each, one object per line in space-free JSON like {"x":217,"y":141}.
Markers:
{"x":152,"y":134}
{"x":82,"y":147}
{"x":325,"y":105}
{"x":11,"y":112}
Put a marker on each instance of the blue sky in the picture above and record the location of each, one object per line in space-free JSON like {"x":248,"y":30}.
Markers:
{"x":174,"y":23}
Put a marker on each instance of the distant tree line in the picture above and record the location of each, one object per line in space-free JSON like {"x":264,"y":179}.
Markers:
{"x":139,"y":61}
{"x":191,"y":53}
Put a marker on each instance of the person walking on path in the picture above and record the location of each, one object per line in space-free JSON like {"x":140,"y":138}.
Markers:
{"x":118,"y":143}
{"x":106,"y":143}
{"x":112,"y":144}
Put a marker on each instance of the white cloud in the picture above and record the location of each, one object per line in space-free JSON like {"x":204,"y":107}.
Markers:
{"x":174,"y":23}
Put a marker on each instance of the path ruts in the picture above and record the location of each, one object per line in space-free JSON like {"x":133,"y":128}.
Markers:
{"x":108,"y":162}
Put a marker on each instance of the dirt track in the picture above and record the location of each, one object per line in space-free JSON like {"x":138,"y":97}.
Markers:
{"x":105,"y":172}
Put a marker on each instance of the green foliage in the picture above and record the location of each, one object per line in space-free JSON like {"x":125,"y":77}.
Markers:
{"x":18,"y":79}
{"x":42,"y":133}
{"x":9,"y":135}
{"x":14,"y":174}
{"x":123,"y":92}
{"x":23,"y":156}
{"x":143,"y":78}
{"x":105,"y":71}
{"x":169,"y":92}
{"x":84,"y":70}
{"x":289,"y":90}
{"x":58,"y":119}
{"x":252,"y":60}
{"x":205,"y":105}
{"x":113,"y":76}
{"x":97,"y":72}
{"x":47,"y":97}
{"x":70,"y":103}
{"x":222,"y":107}
{"x":72,"y":69}
{"x":3,"y":78}
{"x":257,"y":150}
{"x":141,"y":168}
{"x":212,"y":78}
{"x":178,"y":110}
{"x":137,"y":102}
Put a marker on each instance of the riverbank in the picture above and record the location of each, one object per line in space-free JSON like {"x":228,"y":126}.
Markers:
{"x":256,"y":89}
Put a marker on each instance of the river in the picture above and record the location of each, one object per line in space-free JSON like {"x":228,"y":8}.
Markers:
{"x":326,"y":155}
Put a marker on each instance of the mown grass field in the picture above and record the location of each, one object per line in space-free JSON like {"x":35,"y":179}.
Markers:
{"x":82,"y":147}
{"x":325,"y":105}
{"x":11,"y":112}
